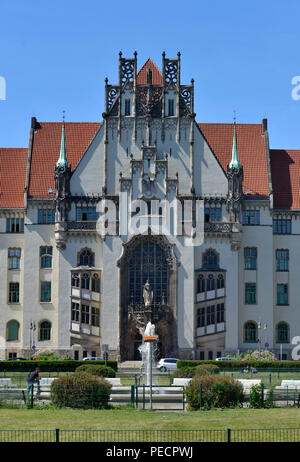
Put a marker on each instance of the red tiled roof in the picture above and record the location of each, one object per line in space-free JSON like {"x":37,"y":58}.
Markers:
{"x":46,"y":147}
{"x":285,"y":170}
{"x":141,"y":78}
{"x":12,"y":177}
{"x":251,"y":151}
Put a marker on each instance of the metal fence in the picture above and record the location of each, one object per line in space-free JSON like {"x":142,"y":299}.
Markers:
{"x":153,"y":436}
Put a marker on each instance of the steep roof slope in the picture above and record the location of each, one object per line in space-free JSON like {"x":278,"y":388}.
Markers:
{"x":251,"y":151}
{"x":12,"y":177}
{"x":45,"y":153}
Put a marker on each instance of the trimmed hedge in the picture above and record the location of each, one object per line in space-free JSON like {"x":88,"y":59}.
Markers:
{"x":217,"y":391}
{"x":242,"y":364}
{"x":199,"y":370}
{"x":80,"y":391}
{"x":99,"y":371}
{"x":51,"y":366}
{"x":185,"y":372}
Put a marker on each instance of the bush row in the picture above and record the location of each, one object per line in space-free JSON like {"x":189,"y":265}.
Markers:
{"x":51,"y":366}
{"x":242,"y":364}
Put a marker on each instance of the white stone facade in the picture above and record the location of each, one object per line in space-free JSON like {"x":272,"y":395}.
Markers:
{"x":158,"y":157}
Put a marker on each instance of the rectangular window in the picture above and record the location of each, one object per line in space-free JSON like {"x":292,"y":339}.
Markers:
{"x":85,"y":314}
{"x":282,"y":226}
{"x":14,"y":292}
{"x":282,"y":260}
{"x":220,"y":312}
{"x":46,"y":216}
{"x":250,"y":256}
{"x":75,"y":312}
{"x":170,"y":107}
{"x":127,"y":107}
{"x":250,"y":293}
{"x":201,"y":317}
{"x":14,"y":257}
{"x":46,"y":257}
{"x":45,"y":292}
{"x":282,"y":294}
{"x":210,"y":315}
{"x":212,"y":214}
{"x":15,"y":225}
{"x":86,"y":214}
{"x":95,"y":317}
{"x":251,"y":217}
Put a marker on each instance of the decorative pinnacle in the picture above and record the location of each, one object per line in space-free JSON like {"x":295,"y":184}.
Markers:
{"x":62,"y":161}
{"x":234,"y":158}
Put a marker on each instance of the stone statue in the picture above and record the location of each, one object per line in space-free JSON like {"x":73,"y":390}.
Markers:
{"x":147,"y":294}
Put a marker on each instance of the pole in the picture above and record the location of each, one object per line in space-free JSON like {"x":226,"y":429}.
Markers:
{"x":150,"y":365}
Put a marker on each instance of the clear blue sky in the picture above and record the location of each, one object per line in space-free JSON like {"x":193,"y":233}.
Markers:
{"x":55,"y":55}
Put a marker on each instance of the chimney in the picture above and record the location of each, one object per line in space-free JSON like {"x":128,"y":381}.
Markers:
{"x":265,"y":125}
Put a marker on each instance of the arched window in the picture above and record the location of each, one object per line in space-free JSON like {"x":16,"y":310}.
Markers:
{"x":200,"y":284}
{"x":75,"y":280}
{"x":45,"y":331}
{"x":220,"y":282}
{"x":85,"y":281}
{"x":282,"y":333}
{"x":250,"y":332}
{"x":13,"y":328}
{"x":148,"y":262}
{"x":210,"y":259}
{"x":95,"y":283}
{"x":86,"y":258}
{"x":210,"y":282}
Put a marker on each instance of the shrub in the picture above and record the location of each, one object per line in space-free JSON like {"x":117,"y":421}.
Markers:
{"x":217,"y":391}
{"x":205,"y":369}
{"x":257,"y":397}
{"x":80,"y":391}
{"x":99,"y":371}
{"x":186,"y":372}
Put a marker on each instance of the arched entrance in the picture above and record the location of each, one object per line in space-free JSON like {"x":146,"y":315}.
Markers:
{"x":147,"y":258}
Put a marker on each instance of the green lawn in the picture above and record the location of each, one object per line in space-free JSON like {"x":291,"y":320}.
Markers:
{"x":130,"y":419}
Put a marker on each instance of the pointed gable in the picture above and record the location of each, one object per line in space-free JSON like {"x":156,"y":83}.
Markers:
{"x":142,"y":74}
{"x":46,"y":148}
{"x":252,"y":153}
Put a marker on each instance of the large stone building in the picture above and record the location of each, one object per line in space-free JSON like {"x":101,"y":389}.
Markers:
{"x":74,"y":263}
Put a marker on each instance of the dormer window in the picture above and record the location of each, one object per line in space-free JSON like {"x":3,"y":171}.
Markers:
{"x":171,"y":107}
{"x":127,"y":107}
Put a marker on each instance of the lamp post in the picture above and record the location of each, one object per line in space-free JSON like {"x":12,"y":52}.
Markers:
{"x":32,"y":329}
{"x":265,"y":328}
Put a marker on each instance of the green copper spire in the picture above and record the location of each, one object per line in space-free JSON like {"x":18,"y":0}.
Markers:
{"x":62,"y":161}
{"x":234,"y":158}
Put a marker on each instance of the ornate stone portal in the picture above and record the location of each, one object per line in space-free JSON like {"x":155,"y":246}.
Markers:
{"x":148,"y":283}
